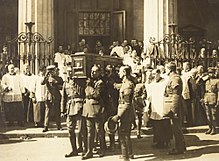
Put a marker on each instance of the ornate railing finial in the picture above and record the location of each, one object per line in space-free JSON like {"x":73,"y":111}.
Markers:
{"x":29,"y":25}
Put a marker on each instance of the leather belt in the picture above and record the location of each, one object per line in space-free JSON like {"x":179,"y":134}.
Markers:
{"x":210,"y":92}
{"x":123,"y":102}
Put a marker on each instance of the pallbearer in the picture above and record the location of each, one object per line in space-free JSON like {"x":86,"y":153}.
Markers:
{"x":211,"y":100}
{"x":93,"y":110}
{"x":71,"y":105}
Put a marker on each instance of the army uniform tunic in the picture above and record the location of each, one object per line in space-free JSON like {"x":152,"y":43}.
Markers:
{"x":71,"y":105}
{"x":173,"y":91}
{"x":93,"y":110}
{"x":72,"y":97}
{"x":211,"y":100}
{"x":211,"y":92}
{"x":126,"y":115}
{"x":139,"y":104}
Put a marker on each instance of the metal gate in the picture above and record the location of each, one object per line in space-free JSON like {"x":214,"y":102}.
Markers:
{"x":30,"y":47}
{"x":173,"y":47}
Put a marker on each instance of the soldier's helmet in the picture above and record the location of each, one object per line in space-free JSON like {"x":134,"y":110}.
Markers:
{"x":110,"y":126}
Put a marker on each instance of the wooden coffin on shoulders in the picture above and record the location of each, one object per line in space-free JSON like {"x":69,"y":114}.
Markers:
{"x":82,"y":63}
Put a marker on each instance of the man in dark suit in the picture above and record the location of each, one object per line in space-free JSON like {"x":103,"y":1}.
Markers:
{"x":93,"y":110}
{"x":110,"y":99}
{"x":202,"y":58}
{"x":53,"y":97}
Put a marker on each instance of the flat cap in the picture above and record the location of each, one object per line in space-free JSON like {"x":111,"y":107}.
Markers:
{"x":51,"y":67}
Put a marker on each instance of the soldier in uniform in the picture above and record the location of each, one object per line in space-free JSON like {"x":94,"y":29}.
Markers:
{"x":110,"y":100}
{"x":173,"y":91}
{"x":125,"y":113}
{"x":93,"y":111}
{"x":71,"y":105}
{"x":138,"y":102}
{"x":211,"y":100}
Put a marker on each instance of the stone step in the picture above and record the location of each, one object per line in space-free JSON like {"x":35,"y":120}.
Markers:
{"x":18,"y":132}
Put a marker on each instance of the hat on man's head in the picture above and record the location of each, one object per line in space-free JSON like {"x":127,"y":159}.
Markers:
{"x":51,"y":67}
{"x":200,"y":67}
{"x":171,"y":66}
{"x":95,"y":67}
{"x":109,"y":67}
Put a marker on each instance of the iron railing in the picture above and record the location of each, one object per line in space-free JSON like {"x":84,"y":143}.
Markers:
{"x":30,"y":47}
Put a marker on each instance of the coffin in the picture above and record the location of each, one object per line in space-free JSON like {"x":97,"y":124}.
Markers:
{"x":82,"y":63}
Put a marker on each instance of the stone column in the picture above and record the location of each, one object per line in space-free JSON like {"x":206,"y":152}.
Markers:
{"x":173,"y":7}
{"x":41,"y":12}
{"x":158,"y":14}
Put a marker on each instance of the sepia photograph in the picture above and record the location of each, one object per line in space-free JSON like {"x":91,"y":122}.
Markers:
{"x":103,"y":80}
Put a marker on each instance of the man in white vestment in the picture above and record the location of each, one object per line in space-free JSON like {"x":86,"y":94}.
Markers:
{"x":27,"y":79}
{"x":12,"y":99}
{"x":39,"y":98}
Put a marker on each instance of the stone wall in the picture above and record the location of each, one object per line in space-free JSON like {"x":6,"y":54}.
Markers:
{"x":8,"y":20}
{"x":200,"y":13}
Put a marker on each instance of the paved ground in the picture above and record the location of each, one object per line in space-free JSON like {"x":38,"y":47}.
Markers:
{"x":52,"y":145}
{"x":16,"y":132}
{"x":200,"y":147}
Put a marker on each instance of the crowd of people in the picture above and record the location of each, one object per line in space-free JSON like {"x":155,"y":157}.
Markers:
{"x":115,"y":99}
